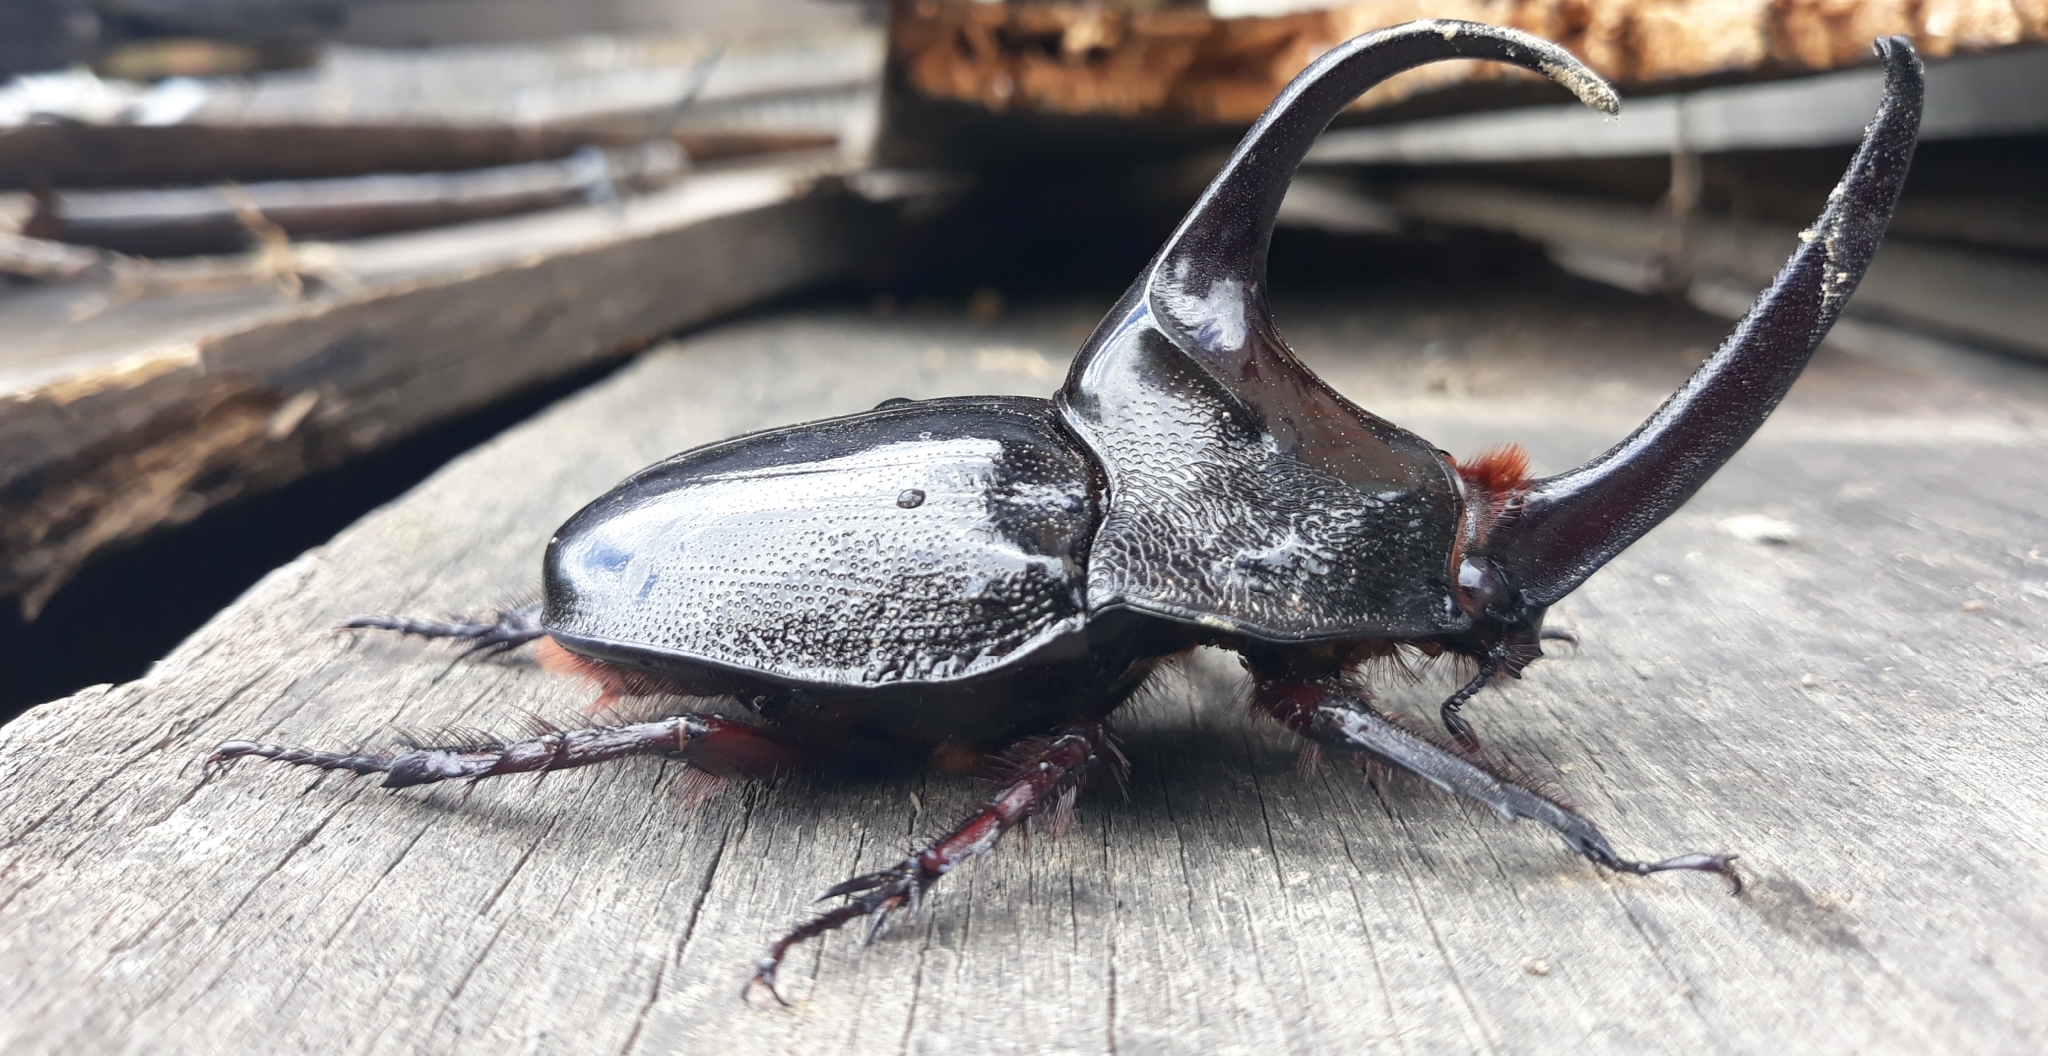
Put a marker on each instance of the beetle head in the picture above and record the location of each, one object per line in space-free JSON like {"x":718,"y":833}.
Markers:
{"x":1525,"y":544}
{"x":1194,"y":337}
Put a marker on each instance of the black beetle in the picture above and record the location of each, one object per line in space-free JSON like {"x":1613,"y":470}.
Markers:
{"x":955,"y":578}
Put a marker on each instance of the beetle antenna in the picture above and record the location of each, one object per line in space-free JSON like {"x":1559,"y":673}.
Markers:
{"x":507,"y":630}
{"x":1571,"y":524}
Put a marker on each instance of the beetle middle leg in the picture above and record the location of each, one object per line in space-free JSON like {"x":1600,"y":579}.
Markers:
{"x":1328,"y":713}
{"x":1041,"y":777}
{"x":718,"y":745}
{"x":510,"y":629}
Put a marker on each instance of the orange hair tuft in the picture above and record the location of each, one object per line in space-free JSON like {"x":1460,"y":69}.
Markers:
{"x":1501,"y":470}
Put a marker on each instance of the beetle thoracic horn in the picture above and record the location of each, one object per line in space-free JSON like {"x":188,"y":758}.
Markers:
{"x":1569,"y":525}
{"x":1225,"y":235}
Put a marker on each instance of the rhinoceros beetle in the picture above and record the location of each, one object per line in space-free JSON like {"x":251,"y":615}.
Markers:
{"x":991,"y":577}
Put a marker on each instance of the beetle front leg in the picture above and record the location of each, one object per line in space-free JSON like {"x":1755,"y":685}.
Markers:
{"x":1454,"y":722}
{"x":1329,"y":715}
{"x":719,"y":746}
{"x":1043,"y":776}
{"x":510,"y":629}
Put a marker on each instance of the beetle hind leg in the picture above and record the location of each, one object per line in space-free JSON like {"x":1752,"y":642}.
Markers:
{"x":1043,"y":775}
{"x":719,"y":746}
{"x":508,"y":630}
{"x":1327,"y":714}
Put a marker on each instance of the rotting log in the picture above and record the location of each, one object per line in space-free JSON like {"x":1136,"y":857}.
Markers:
{"x":1856,"y":712}
{"x":1093,"y":60}
{"x":129,"y":406}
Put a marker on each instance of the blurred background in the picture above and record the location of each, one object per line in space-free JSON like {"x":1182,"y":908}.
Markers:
{"x":265,"y":264}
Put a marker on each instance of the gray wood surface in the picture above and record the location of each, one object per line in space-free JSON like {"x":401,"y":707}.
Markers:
{"x":1988,"y":297}
{"x":359,"y":111}
{"x":1858,"y":713}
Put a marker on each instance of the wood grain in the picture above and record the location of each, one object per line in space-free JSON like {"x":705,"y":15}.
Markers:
{"x":1995,"y":299}
{"x":81,"y":155}
{"x":1857,"y":713}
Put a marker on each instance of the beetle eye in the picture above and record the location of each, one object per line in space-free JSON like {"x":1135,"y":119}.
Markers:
{"x":1480,"y":587}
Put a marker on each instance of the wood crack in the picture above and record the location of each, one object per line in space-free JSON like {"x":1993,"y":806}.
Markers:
{"x":1437,"y":940}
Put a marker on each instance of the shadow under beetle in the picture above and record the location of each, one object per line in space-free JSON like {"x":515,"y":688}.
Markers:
{"x":954,"y":578}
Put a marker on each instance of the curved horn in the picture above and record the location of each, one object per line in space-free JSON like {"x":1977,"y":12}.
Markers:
{"x":1571,"y":524}
{"x":1225,"y":235}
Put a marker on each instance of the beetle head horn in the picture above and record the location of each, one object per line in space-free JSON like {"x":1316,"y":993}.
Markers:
{"x":1569,"y":525}
{"x":1219,"y":251}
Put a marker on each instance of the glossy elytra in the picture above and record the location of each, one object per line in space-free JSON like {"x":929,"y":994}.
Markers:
{"x":968,"y":578}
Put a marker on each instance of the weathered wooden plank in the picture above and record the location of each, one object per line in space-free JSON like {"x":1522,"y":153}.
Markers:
{"x":82,"y":155}
{"x":360,"y":111}
{"x":1990,"y":298}
{"x":1986,"y":95}
{"x":123,"y":413}
{"x":1856,"y":713}
{"x":225,"y":218}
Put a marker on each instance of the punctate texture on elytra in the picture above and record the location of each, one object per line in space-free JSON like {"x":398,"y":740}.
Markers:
{"x":793,"y":554}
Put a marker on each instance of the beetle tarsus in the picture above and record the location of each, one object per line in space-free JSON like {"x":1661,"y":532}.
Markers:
{"x":1039,"y":780}
{"x":509,"y":630}
{"x":764,"y":975}
{"x":857,"y":885}
{"x":1719,"y":864}
{"x":1454,"y":723}
{"x":881,"y":895}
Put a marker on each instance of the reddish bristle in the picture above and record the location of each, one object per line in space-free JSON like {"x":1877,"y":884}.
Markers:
{"x":956,"y":757}
{"x":613,"y":682}
{"x":1500,"y":470}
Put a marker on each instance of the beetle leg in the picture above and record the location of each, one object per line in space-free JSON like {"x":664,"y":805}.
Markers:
{"x":511,"y":629}
{"x":1327,"y":715}
{"x":720,"y":746}
{"x":1455,"y":723}
{"x":1040,"y":779}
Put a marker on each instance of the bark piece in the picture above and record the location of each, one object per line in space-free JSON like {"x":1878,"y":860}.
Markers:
{"x":1179,"y":65}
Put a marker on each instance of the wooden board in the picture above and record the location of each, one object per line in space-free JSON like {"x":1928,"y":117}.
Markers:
{"x":122,"y":414}
{"x":82,"y":155}
{"x":416,"y":109}
{"x":1993,"y":299}
{"x":1859,"y":714}
{"x":1980,"y":96}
